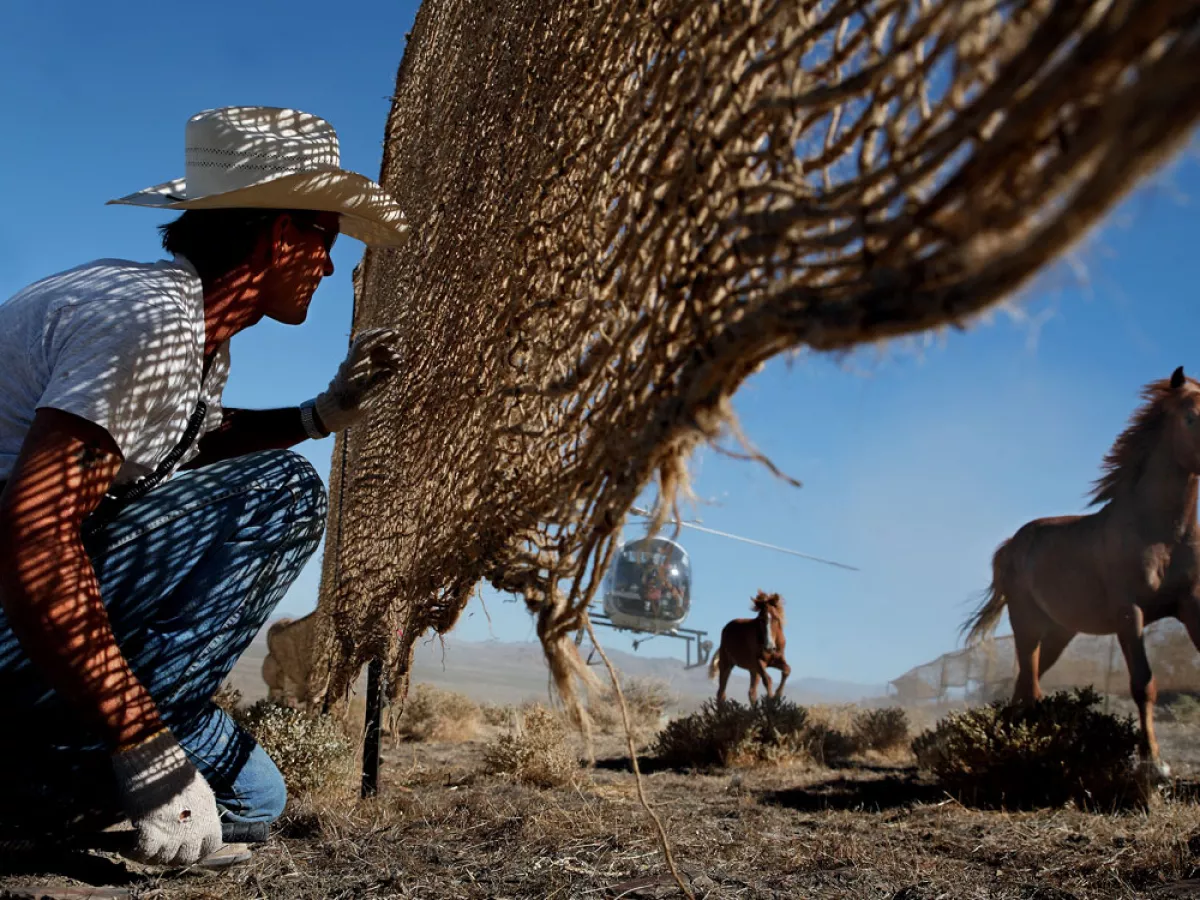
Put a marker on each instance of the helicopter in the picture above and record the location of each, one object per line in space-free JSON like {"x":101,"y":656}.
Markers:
{"x":648,"y":590}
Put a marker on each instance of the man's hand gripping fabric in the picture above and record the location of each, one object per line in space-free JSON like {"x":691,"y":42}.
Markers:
{"x":373,"y":359}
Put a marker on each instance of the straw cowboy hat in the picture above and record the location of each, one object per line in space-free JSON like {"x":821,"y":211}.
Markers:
{"x":265,"y":157}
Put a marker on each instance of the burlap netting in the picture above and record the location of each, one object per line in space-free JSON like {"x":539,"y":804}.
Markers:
{"x":622,"y":208}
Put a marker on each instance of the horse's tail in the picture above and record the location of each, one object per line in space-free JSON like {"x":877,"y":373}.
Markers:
{"x":983,"y":621}
{"x":715,"y":665}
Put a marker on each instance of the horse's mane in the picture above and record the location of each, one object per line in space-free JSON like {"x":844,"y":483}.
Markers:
{"x":762,"y":600}
{"x":1126,"y":458}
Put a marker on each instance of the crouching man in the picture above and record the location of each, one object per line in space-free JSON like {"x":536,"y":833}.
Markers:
{"x":146,"y":533}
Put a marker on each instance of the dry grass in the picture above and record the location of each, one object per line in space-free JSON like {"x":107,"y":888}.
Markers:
{"x":433,"y":714}
{"x":537,"y":752}
{"x":440,"y":831}
{"x":647,"y":700}
{"x":837,"y":716}
{"x":766,"y":833}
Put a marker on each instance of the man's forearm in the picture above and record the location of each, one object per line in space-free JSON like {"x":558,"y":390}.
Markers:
{"x":245,"y":431}
{"x":51,"y":598}
{"x":48,"y":586}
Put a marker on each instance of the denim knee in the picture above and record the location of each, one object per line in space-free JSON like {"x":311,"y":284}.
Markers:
{"x":248,"y":785}
{"x":260,"y":793}
{"x":294,"y":482}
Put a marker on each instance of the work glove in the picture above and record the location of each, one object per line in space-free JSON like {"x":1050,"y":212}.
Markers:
{"x":373,"y":359}
{"x":171,"y":806}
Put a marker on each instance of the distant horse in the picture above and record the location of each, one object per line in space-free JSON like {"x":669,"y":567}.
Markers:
{"x":753,"y":644}
{"x":1132,"y":562}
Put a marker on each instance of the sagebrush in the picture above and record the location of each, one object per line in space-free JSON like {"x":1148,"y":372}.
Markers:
{"x":536,"y":752}
{"x":1019,"y":756}
{"x":772,"y":731}
{"x":311,"y":750}
{"x":646,"y":699}
{"x":228,"y":698}
{"x":499,"y":715}
{"x":882,"y":730}
{"x":829,"y":746}
{"x":433,"y":714}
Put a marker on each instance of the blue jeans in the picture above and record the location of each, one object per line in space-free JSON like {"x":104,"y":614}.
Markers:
{"x":189,"y":574}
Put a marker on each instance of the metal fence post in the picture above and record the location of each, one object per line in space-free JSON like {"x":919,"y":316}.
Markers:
{"x":373,"y":732}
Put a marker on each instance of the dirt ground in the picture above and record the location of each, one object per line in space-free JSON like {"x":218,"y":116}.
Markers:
{"x":439,"y":829}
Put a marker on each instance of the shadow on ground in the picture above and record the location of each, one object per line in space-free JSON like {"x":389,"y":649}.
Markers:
{"x":54,"y":862}
{"x":650,"y":764}
{"x":902,"y":788}
{"x":647,"y":764}
{"x":78,"y":865}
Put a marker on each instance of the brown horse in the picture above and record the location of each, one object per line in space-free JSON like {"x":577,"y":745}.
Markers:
{"x":753,"y":644}
{"x":1132,"y":562}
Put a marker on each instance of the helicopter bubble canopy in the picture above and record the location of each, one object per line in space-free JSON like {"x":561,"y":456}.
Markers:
{"x":649,"y":585}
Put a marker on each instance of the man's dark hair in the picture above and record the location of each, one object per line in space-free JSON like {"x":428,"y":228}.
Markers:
{"x":216,"y":241}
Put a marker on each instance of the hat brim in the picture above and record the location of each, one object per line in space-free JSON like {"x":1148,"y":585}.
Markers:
{"x":368,"y":212}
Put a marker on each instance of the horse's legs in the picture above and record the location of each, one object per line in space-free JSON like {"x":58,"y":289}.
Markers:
{"x":1188,"y":613}
{"x":766,"y":680}
{"x":725,"y":669}
{"x":1141,"y":686}
{"x":1032,"y":631}
{"x":1053,"y":644}
{"x":784,"y":671}
{"x":757,"y":671}
{"x":1027,"y":645}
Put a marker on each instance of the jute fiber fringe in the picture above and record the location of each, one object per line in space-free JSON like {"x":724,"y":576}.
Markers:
{"x":622,"y":209}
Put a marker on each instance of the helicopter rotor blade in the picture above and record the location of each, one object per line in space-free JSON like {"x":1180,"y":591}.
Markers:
{"x":638,"y":511}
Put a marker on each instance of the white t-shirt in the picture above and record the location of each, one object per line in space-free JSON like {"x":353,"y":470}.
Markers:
{"x":115,"y":342}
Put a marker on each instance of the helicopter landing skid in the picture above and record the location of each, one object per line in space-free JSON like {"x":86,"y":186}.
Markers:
{"x":697,"y":646}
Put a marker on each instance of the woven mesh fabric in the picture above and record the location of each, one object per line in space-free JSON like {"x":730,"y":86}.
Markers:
{"x":621,"y":209}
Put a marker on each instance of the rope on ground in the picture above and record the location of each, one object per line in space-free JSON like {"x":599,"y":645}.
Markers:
{"x":663,"y":841}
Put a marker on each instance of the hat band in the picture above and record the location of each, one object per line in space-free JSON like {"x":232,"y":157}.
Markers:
{"x":206,"y":175}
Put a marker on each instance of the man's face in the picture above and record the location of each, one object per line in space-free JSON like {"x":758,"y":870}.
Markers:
{"x":296,"y":259}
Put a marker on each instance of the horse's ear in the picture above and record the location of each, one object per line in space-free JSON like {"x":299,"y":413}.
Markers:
{"x":1177,"y":379}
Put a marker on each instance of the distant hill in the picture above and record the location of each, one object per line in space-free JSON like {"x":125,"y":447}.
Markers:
{"x":503,"y":672}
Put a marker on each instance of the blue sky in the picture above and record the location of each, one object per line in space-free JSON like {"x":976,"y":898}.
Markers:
{"x":917,"y":459}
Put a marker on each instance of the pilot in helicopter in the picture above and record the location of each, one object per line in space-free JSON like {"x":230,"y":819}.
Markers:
{"x":655,"y":585}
